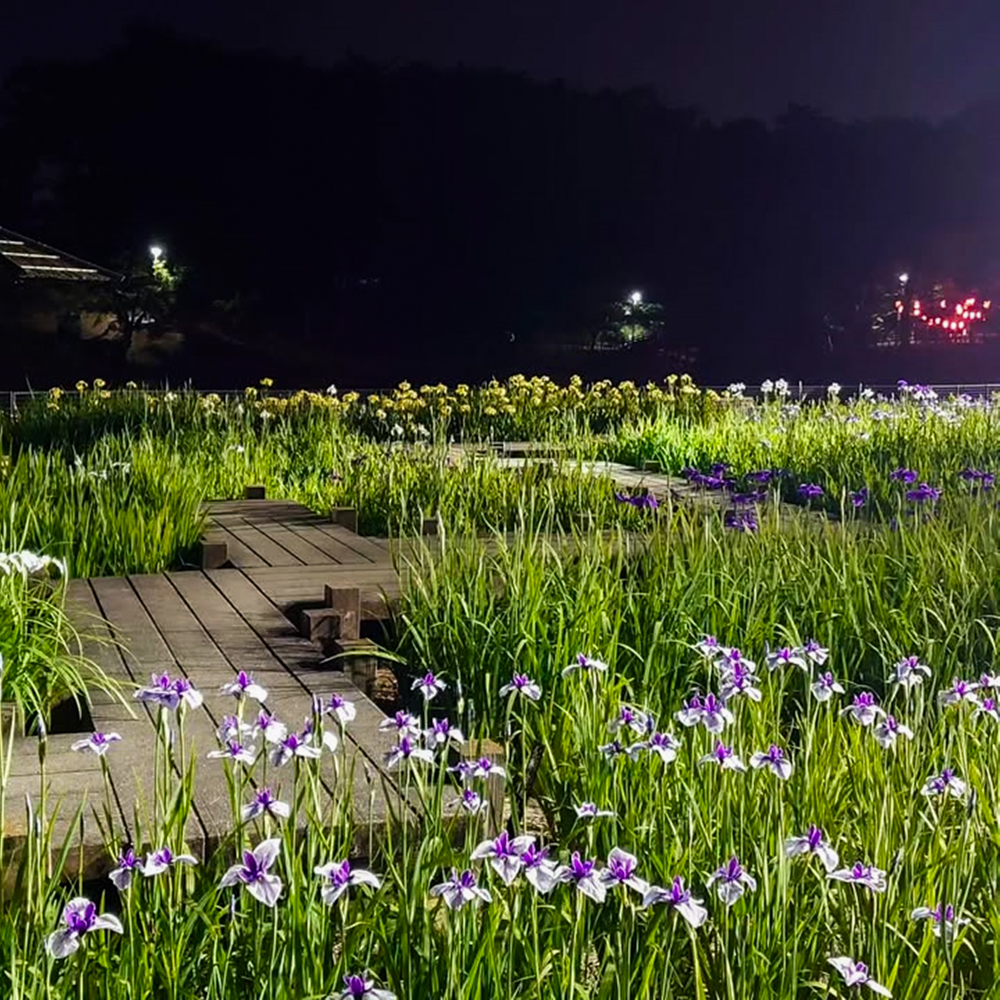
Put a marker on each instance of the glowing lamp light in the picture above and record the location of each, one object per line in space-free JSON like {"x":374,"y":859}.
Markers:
{"x":156,"y":252}
{"x":944,"y":305}
{"x":636,"y":298}
{"x":986,"y":304}
{"x":904,"y":278}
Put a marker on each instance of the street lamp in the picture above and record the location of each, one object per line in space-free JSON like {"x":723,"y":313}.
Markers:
{"x":904,"y":278}
{"x":156,"y":252}
{"x":635,"y":298}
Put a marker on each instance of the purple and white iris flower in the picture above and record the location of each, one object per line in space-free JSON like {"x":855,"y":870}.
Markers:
{"x":236,"y":752}
{"x":540,"y":870}
{"x":664,"y":745}
{"x":523,"y":685}
{"x":128,"y":864}
{"x":460,"y":890}
{"x":585,"y":664}
{"x":341,"y":709}
{"x":711,"y":648}
{"x":442,"y":732}
{"x":339,"y":876}
{"x":887,"y":731}
{"x":80,"y":917}
{"x":621,"y":871}
{"x":942,"y":916}
{"x":265,"y":804}
{"x":486,"y":768}
{"x":813,"y":843}
{"x":787,"y":657}
{"x":586,"y":877}
{"x":774,"y":760}
{"x":96,"y":743}
{"x":504,"y":854}
{"x":725,"y":757}
{"x":739,"y":681}
{"x":169,"y":693}
{"x":988,"y":681}
{"x":988,"y":706}
{"x":677,"y":898}
{"x":864,"y":710}
{"x":359,"y":988}
{"x":866,"y":875}
{"x":472,"y":802}
{"x":188,"y":695}
{"x":402,"y":723}
{"x":945,"y":783}
{"x":815,"y":652}
{"x":856,"y":974}
{"x":710,"y":712}
{"x":430,"y":686}
{"x":244,"y":686}
{"x":825,"y":687}
{"x":269,"y":727}
{"x":910,"y":672}
{"x":629,"y":718}
{"x":231,"y":728}
{"x":960,"y":691}
{"x":616,"y":749}
{"x":254,"y":873}
{"x":163,"y":859}
{"x":407,"y":750}
{"x":294,"y":745}
{"x":731,"y":880}
{"x":588,"y":810}
{"x":690,"y":713}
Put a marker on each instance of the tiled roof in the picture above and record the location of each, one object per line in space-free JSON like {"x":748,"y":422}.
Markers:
{"x":34,"y":260}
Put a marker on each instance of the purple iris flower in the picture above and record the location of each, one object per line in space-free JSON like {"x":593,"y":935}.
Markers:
{"x":473,"y":802}
{"x":539,"y":870}
{"x":628,"y":718}
{"x":731,"y":881}
{"x":585,"y":664}
{"x":988,"y":706}
{"x":269,"y":727}
{"x":942,"y":917}
{"x":810,"y":491}
{"x":945,"y":783}
{"x":664,"y":745}
{"x":161,"y":691}
{"x":616,"y":749}
{"x":80,"y":917}
{"x":236,"y":752}
{"x":188,"y":695}
{"x":762,"y":476}
{"x":725,"y":757}
{"x":774,"y":760}
{"x":711,"y":648}
{"x":866,"y":875}
{"x":589,"y":810}
{"x":96,"y":743}
{"x":522,"y":684}
{"x":887,"y":732}
{"x":264,"y":803}
{"x":357,"y":988}
{"x":405,"y":751}
{"x":744,"y":521}
{"x":677,"y":898}
{"x":294,"y":746}
{"x":621,"y":871}
{"x":128,"y":865}
{"x":825,"y":687}
{"x":443,"y":732}
{"x":341,"y":709}
{"x":504,"y":854}
{"x":163,"y":859}
{"x":923,"y":494}
{"x":909,"y":672}
{"x":585,"y":875}
{"x":815,"y":652}
{"x":858,"y":498}
{"x":960,"y":691}
{"x":254,"y":874}
{"x":787,"y":657}
{"x":339,"y":876}
{"x":460,"y":890}
{"x":740,"y":681}
{"x":429,"y":685}
{"x":863,"y":710}
{"x":902,"y":475}
{"x":714,"y":714}
{"x":856,"y":974}
{"x":402,"y":723}
{"x":231,"y":728}
{"x":244,"y":686}
{"x":813,"y":843}
{"x":690,"y":714}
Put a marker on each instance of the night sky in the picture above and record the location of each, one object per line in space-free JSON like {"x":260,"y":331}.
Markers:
{"x":852,"y":58}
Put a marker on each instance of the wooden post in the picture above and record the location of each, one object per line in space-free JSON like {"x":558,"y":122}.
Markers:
{"x":495,"y":785}
{"x":358,"y":661}
{"x":214,"y":554}
{"x":346,"y":517}
{"x":345,"y":602}
{"x":255,"y":493}
{"x":650,"y":465}
{"x":429,"y":526}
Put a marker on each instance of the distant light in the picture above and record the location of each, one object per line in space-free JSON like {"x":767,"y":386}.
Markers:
{"x":944,"y":305}
{"x":986,"y":304}
{"x":904,"y":278}
{"x":635,"y":298}
{"x":156,"y":252}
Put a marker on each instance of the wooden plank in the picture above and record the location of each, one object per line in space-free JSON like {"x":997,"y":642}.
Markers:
{"x":370,"y":548}
{"x":294,"y":543}
{"x":333,"y":547}
{"x":240,"y":554}
{"x":266,"y":548}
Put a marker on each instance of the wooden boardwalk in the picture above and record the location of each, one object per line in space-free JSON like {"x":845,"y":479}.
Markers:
{"x":206,"y":625}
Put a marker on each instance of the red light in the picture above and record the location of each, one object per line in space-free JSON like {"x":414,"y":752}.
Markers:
{"x":970,"y":302}
{"x":958,"y":309}
{"x":916,"y":304}
{"x":937,"y":322}
{"x":961,"y":326}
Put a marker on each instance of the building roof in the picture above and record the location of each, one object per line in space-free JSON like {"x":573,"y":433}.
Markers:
{"x":37,"y":261}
